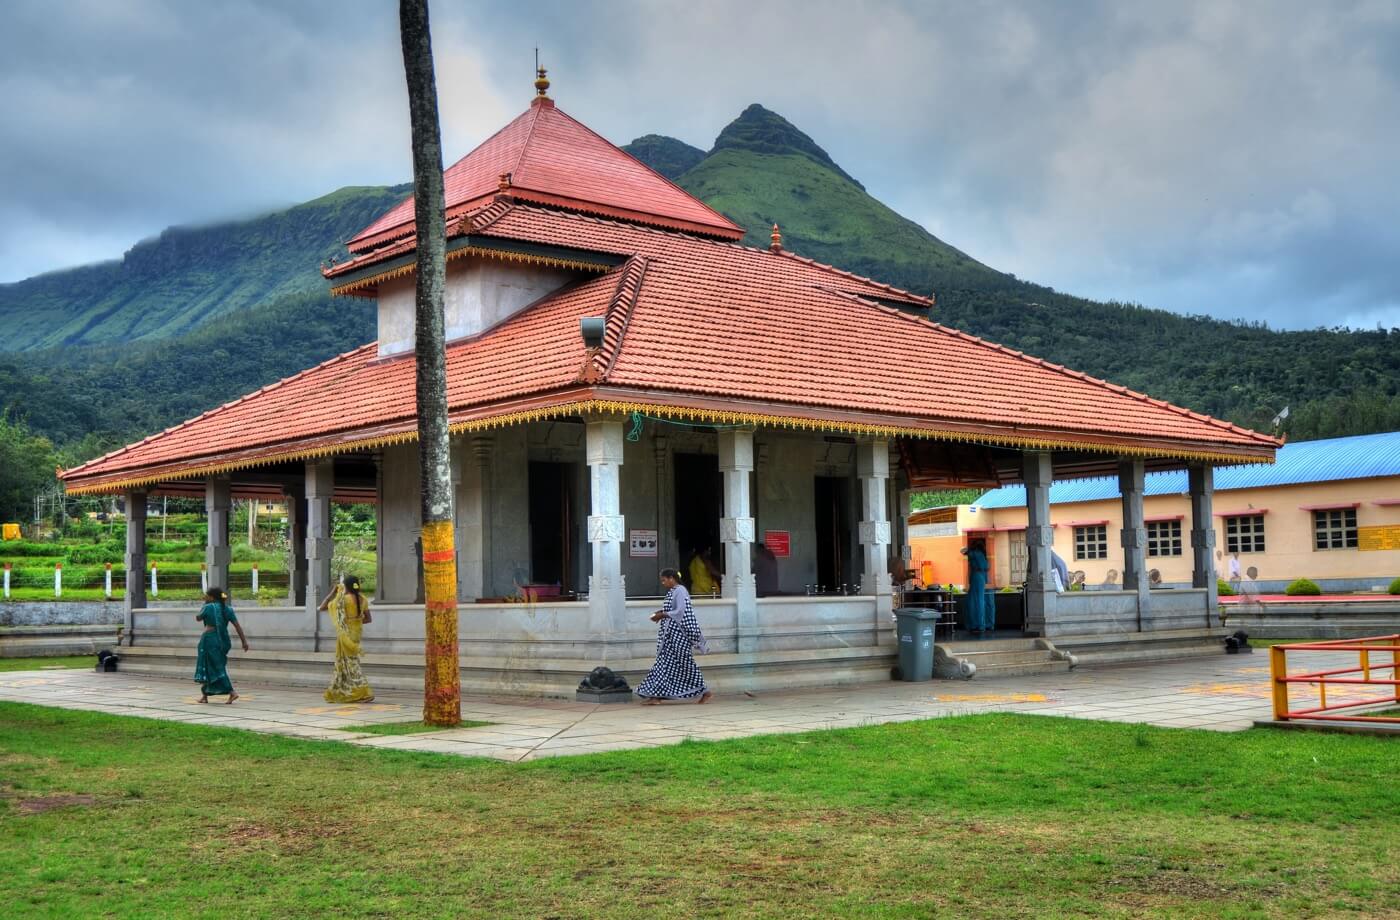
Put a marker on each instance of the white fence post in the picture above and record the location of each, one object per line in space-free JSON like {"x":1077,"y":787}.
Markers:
{"x":255,"y":579}
{"x":203,"y":577}
{"x":58,"y":579}
{"x":155,"y":588}
{"x":7,"y":580}
{"x":107,"y":580}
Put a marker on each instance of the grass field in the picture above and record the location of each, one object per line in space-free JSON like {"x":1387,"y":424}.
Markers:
{"x":981,"y":816}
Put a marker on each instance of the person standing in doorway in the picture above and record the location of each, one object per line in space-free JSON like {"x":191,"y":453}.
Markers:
{"x":979,"y":619}
{"x":704,"y":576}
{"x":675,"y":675}
{"x":211,"y":658}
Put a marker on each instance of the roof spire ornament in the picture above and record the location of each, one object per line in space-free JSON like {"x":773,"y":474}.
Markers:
{"x":777,"y":238}
{"x":541,"y":84}
{"x":503,"y":183}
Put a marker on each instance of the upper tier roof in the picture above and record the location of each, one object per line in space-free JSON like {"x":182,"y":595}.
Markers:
{"x":554,"y":160}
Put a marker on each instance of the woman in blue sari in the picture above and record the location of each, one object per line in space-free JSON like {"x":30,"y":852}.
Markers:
{"x":980,"y":620}
{"x":675,"y":676}
{"x":211,"y":659}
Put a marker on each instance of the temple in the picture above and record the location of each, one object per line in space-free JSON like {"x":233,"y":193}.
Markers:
{"x":627,"y":384}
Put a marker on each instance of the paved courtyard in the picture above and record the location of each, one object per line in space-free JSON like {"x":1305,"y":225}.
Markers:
{"x":1220,"y":693}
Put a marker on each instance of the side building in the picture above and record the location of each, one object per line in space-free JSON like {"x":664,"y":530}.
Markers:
{"x":1326,"y":510}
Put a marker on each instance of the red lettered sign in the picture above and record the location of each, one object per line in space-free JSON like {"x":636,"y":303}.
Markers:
{"x":779,"y":542}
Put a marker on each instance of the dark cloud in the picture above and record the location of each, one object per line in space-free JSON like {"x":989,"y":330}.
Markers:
{"x":1224,"y":158}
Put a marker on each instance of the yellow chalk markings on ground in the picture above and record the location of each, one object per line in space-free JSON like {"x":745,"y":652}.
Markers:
{"x":991,"y":698}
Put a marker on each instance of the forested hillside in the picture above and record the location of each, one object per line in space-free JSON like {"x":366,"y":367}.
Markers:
{"x":188,"y":276}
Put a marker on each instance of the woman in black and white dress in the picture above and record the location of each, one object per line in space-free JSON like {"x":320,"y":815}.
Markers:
{"x":675,"y":676}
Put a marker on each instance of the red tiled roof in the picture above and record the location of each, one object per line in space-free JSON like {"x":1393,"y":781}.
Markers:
{"x":695,"y":322}
{"x":554,"y":160}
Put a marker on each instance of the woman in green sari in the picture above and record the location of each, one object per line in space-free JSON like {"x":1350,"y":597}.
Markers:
{"x":349,"y":612}
{"x":211,"y":659}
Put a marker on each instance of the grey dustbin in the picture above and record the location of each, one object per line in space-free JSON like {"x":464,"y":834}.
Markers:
{"x":915,"y":631}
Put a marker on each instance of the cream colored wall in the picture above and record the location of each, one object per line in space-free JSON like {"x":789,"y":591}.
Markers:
{"x":1288,"y":532}
{"x":479,"y":294}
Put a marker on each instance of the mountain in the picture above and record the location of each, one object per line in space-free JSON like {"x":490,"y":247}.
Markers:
{"x":666,"y":155}
{"x":221,"y":310}
{"x":189,"y":276}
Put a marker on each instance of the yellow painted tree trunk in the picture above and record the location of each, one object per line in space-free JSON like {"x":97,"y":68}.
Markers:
{"x":442,"y":704}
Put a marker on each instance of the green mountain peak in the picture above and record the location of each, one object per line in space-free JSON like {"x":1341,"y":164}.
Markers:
{"x":762,"y":131}
{"x":666,"y":155}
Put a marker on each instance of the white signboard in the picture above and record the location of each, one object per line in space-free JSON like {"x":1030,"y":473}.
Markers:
{"x":949,"y":529}
{"x":643,"y":544}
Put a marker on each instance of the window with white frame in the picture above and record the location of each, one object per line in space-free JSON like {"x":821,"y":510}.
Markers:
{"x":1334,"y":529}
{"x":1091,"y":542}
{"x":1244,"y":533}
{"x":1164,"y":538}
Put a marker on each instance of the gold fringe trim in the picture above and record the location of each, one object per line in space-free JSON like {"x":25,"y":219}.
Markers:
{"x":688,"y":413}
{"x":498,"y":254}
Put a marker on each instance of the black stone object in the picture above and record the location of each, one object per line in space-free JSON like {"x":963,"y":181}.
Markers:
{"x":603,"y":685}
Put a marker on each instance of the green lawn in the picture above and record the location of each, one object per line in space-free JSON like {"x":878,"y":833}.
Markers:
{"x":58,"y":661}
{"x":982,"y":816}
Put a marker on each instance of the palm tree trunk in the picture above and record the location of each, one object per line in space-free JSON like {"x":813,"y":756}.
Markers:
{"x":441,"y":679}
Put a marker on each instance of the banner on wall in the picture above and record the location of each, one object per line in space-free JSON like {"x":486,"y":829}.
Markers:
{"x":779,"y":542}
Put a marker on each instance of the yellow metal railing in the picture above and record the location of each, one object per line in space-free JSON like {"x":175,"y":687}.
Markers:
{"x":1366,"y":674}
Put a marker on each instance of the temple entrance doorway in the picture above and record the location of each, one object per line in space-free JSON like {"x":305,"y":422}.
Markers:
{"x":699,"y":505}
{"x":552,"y":524}
{"x":832,"y":504}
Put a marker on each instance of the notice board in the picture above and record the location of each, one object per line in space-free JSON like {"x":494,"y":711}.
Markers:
{"x":779,"y":542}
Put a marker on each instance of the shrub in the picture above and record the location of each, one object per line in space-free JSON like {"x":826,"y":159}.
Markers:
{"x":1394,"y":587}
{"x":1302,"y":587}
{"x":97,"y":553}
{"x":1223,"y":589}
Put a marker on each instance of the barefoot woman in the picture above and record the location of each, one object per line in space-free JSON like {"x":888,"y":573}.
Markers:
{"x":675,"y":676}
{"x":211,"y":660}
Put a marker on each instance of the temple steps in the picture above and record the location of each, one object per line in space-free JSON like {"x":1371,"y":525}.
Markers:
{"x":1127,"y":648}
{"x":1007,"y":657}
{"x":546,"y":677}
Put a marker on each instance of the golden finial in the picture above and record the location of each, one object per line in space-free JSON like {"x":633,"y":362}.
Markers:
{"x":541,"y":84}
{"x":504,"y":183}
{"x":777,"y":244}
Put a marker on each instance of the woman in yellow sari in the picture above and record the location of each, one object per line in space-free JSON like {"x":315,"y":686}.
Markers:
{"x":349,"y":612}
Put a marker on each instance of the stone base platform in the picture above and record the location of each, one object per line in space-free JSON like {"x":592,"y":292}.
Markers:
{"x":48,"y":641}
{"x":1128,"y":648}
{"x":541,"y":677}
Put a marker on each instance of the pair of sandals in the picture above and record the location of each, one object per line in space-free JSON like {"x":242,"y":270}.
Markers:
{"x":228,"y":702}
{"x":704,"y":698}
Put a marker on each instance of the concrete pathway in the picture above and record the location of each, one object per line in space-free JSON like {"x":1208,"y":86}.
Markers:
{"x":1224,"y":693}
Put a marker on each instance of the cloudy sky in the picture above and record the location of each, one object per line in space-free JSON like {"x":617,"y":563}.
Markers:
{"x":1230,"y":158}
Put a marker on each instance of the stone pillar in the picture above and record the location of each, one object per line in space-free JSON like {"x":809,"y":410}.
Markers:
{"x":320,"y":485}
{"x":1202,"y":487}
{"x":1038,"y":473}
{"x":1134,"y":536}
{"x":665,"y":505}
{"x":379,"y":526}
{"x":905,"y":508}
{"x":607,"y":593}
{"x":135,"y":562}
{"x":217,"y":504}
{"x":736,"y":532}
{"x":873,"y":468}
{"x":473,"y":517}
{"x":295,"y":496}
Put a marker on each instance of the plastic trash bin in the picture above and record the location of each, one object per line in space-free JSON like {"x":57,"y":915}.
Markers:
{"x":914,"y":627}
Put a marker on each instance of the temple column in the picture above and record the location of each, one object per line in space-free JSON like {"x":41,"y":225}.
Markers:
{"x":379,"y":526}
{"x":320,"y":485}
{"x":873,"y":469}
{"x":217,"y":504}
{"x":736,"y":532}
{"x":607,"y":595}
{"x":1037,"y":473}
{"x":1201,"y":479}
{"x":135,"y":562}
{"x":473,"y":517}
{"x":295,"y":496}
{"x":1134,"y":536}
